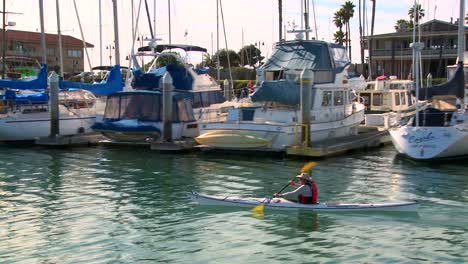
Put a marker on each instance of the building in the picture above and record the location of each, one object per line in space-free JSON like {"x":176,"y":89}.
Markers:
{"x":391,"y":53}
{"x":28,"y":44}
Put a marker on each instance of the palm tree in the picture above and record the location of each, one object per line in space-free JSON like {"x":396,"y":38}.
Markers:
{"x":339,"y":37}
{"x":360,"y":34}
{"x":348,"y":13}
{"x":338,"y":19}
{"x":419,"y":13}
{"x":280,"y":11}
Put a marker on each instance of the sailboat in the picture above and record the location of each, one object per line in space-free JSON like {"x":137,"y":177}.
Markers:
{"x":440,"y":131}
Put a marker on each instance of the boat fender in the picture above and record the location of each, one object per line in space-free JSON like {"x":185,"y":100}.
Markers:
{"x":3,"y":109}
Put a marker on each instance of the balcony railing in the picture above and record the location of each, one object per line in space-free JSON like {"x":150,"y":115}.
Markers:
{"x":408,"y":52}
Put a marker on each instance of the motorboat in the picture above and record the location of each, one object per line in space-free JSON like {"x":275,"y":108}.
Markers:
{"x":388,"y":102}
{"x":137,"y":116}
{"x":273,"y":120}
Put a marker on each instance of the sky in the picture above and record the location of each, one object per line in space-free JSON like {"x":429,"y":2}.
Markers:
{"x":194,"y":21}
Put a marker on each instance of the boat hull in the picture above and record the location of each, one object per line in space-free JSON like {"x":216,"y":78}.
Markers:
{"x":283,"y":204}
{"x":32,"y":128}
{"x":425,"y":143}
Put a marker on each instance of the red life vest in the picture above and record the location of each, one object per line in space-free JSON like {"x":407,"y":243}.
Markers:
{"x":309,"y":199}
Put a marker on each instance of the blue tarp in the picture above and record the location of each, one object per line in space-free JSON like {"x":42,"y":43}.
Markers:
{"x":282,"y":91}
{"x":40,"y":83}
{"x":182,"y":80}
{"x":133,"y":125}
{"x":111,"y":85}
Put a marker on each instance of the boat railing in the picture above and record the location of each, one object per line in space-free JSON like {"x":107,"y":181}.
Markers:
{"x":213,"y":115}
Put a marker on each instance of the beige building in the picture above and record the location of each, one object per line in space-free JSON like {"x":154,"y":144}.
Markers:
{"x":28,"y":44}
{"x":391,"y":53}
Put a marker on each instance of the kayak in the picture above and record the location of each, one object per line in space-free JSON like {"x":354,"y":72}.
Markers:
{"x":280,"y":203}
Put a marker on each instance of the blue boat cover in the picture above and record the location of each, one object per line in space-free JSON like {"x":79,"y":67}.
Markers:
{"x":40,"y":83}
{"x":181,"y":79}
{"x":111,"y":85}
{"x":131,"y":125}
{"x":282,"y":91}
{"x":455,"y":86}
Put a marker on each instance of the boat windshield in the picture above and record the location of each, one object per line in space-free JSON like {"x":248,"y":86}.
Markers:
{"x":146,"y":107}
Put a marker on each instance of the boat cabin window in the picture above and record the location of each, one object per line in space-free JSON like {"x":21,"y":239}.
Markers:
{"x":146,"y":107}
{"x":397,"y":98}
{"x":410,"y":98}
{"x":185,"y":111}
{"x":327,"y":98}
{"x":338,"y":98}
{"x":247,"y":114}
{"x":370,"y":86}
{"x":205,"y":99}
{"x":377,"y":99}
{"x":403,"y":98}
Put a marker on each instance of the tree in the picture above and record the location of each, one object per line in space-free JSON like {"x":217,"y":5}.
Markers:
{"x":338,"y":20}
{"x":250,"y":55}
{"x":223,"y":61}
{"x":348,"y":13}
{"x":208,"y":61}
{"x":339,"y":37}
{"x":403,"y":25}
{"x":419,"y":13}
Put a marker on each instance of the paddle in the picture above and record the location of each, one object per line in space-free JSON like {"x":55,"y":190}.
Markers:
{"x":309,"y":165}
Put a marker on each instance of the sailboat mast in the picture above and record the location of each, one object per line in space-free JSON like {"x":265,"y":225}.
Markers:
{"x":116,"y":33}
{"x":100,"y":33}
{"x":154,"y":19}
{"x":59,"y":33}
{"x":217,"y":41}
{"x":43,"y":41}
{"x":461,"y":35}
{"x":169,"y":11}
{"x":416,"y":63}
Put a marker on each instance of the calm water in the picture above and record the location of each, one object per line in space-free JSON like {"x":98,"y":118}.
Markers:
{"x":104,"y":205}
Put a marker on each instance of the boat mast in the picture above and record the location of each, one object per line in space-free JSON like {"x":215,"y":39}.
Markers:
{"x":4,"y":42}
{"x":217,"y":41}
{"x":116,"y":33}
{"x":461,"y":42}
{"x":315,"y":20}
{"x":59,"y":38}
{"x":100,"y":32}
{"x":43,"y":41}
{"x":169,"y":11}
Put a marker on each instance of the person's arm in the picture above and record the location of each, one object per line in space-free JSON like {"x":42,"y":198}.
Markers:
{"x":294,"y":194}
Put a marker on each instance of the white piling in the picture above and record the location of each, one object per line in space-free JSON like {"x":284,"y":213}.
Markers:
{"x":167,"y":107}
{"x":227,"y":90}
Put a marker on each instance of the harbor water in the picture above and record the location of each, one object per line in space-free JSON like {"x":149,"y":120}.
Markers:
{"x":127,"y":205}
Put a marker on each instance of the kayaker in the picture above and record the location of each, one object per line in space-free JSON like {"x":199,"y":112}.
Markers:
{"x":305,"y":193}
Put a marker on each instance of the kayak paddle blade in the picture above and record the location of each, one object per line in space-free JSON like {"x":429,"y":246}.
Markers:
{"x":308,"y":166}
{"x":258,"y":209}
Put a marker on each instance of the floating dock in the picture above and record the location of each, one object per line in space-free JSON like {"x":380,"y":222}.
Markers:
{"x":367,"y":138}
{"x":174,"y":146}
{"x":69,"y":141}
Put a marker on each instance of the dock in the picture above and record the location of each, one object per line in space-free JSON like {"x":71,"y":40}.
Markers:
{"x":86,"y":139}
{"x":367,"y":138}
{"x":175,"y":145}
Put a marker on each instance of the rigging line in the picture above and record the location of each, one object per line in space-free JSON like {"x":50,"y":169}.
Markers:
{"x":149,"y":19}
{"x":225,"y":41}
{"x":82,"y":35}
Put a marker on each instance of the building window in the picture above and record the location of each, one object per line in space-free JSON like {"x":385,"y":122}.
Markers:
{"x":74,"y":53}
{"x":50,"y":51}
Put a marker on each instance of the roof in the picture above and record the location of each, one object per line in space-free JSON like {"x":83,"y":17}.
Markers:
{"x":433,"y":27}
{"x":50,"y":38}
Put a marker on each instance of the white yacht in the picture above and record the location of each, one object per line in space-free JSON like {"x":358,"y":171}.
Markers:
{"x":273,"y":120}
